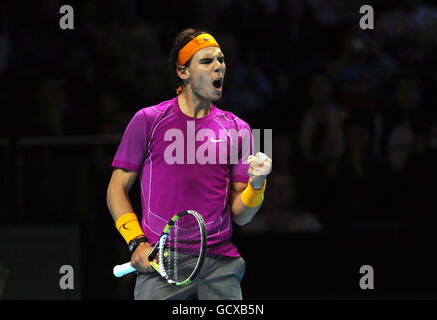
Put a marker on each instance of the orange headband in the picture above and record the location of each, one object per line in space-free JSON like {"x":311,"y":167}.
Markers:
{"x":201,"y":41}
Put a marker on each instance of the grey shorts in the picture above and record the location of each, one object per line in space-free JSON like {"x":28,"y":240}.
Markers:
{"x":219,"y":279}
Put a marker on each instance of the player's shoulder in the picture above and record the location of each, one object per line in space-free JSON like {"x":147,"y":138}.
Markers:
{"x":154,"y":113}
{"x":159,"y":109}
{"x":230,"y":118}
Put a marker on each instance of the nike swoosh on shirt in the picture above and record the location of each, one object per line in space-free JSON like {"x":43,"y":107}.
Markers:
{"x":214,"y":140}
{"x":206,"y":39}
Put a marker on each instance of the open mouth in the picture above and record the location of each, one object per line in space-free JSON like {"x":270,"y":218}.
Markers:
{"x":218,"y":83}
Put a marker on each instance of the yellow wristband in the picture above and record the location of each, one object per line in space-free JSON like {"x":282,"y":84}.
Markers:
{"x":253,"y":198}
{"x":129,"y":227}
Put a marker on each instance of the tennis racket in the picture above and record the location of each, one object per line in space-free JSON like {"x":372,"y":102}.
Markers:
{"x":180,"y":251}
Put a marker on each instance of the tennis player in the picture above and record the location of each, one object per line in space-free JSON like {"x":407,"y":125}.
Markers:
{"x":174,"y":180}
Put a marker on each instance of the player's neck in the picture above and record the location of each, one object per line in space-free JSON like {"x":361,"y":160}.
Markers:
{"x":192,"y":105}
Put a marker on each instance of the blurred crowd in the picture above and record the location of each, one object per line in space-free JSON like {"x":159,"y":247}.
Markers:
{"x":352,"y":111}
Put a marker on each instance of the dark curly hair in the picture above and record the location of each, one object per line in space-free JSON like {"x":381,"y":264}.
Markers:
{"x":181,"y":40}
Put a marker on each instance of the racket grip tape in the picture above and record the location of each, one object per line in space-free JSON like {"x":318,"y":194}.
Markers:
{"x":122,"y":269}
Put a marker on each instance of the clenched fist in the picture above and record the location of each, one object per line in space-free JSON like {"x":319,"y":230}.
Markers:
{"x":259,"y":167}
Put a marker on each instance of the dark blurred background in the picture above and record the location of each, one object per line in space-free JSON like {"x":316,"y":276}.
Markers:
{"x":354,"y":139}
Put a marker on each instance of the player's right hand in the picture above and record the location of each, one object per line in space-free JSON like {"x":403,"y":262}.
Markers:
{"x":140,"y":258}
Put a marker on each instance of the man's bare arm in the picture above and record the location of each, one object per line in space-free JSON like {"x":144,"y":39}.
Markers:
{"x":117,"y":196}
{"x":258,"y":171}
{"x":119,"y":203}
{"x":241,"y":214}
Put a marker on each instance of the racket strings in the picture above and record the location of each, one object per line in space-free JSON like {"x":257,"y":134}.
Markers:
{"x":182,"y":249}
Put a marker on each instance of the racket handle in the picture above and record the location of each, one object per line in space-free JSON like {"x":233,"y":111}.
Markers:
{"x":122,"y":269}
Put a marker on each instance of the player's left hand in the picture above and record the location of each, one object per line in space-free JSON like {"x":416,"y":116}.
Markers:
{"x":260,"y":166}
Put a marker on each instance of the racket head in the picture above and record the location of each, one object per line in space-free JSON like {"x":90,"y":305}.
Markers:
{"x":181,"y":249}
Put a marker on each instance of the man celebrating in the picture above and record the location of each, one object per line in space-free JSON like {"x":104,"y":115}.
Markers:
{"x":221,"y":191}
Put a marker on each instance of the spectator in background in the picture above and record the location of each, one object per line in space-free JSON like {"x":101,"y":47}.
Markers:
{"x":277,"y":213}
{"x":251,"y":85}
{"x":290,"y":15}
{"x":360,"y":178}
{"x":321,"y":143}
{"x":51,"y":104}
{"x":324,"y":114}
{"x":79,"y":69}
{"x":408,"y":30}
{"x":323,"y":12}
{"x":401,"y":124}
{"x":401,"y":134}
{"x":283,"y":214}
{"x":362,"y":71}
{"x":111,"y":119}
{"x":421,"y":174}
